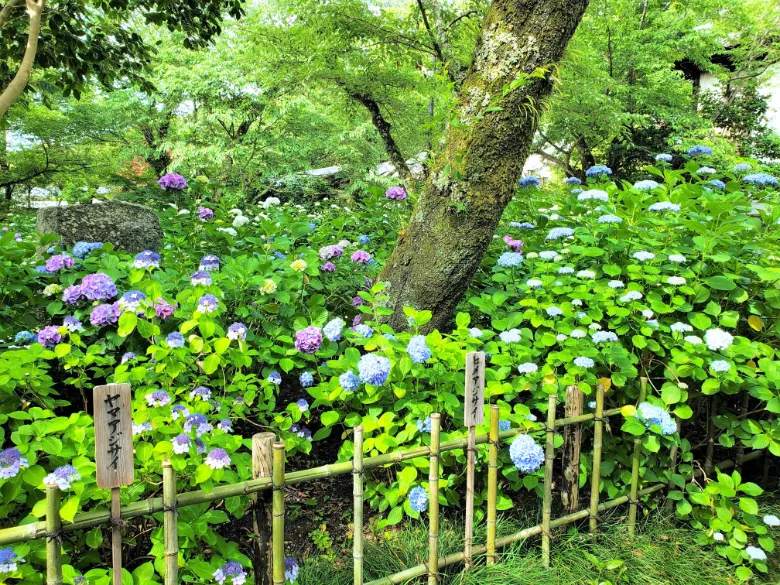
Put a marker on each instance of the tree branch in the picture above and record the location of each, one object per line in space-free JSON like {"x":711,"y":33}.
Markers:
{"x":461,"y":17}
{"x":434,"y":41}
{"x":6,"y":10}
{"x":22,"y":77}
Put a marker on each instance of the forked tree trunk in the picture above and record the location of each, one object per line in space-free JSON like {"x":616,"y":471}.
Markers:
{"x":11,"y":93}
{"x":475,"y":176}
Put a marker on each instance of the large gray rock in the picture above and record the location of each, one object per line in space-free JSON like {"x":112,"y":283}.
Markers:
{"x":127,"y":226}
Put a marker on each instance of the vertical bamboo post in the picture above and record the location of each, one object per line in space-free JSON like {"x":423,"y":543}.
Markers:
{"x":492,"y":485}
{"x":116,"y":535}
{"x":598,"y":439}
{"x":741,"y":446}
{"x":549,"y":458}
{"x":357,"y":495}
{"x":635,"y":468}
{"x":262,"y":514}
{"x":433,"y":502}
{"x":709,"y":466}
{"x":278,"y":513}
{"x":170,"y":527}
{"x":53,"y":544}
{"x":471,"y":448}
{"x":572,"y":444}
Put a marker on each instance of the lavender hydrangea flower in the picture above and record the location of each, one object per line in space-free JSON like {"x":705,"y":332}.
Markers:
{"x":306,"y":379}
{"x":208,"y":304}
{"x":200,"y":277}
{"x":98,"y":287}
{"x":204,"y":213}
{"x":128,"y":357}
{"x":104,"y":314}
{"x":374,"y":369}
{"x":146,"y":259}
{"x":163,"y":309}
{"x":328,"y":267}
{"x":62,"y":477}
{"x":308,"y":340}
{"x":72,"y":294}
{"x":84,"y":249}
{"x":349,"y":381}
{"x":158,"y":398}
{"x":230,"y":569}
{"x":181,"y":444}
{"x":200,"y":446}
{"x":172,"y":181}
{"x":11,"y":463}
{"x":58,"y":262}
{"x":418,"y":499}
{"x":526,"y":454}
{"x":331,"y":252}
{"x":291,"y":565}
{"x":397,"y":193}
{"x":217,"y":459}
{"x":201,"y":392}
{"x":131,"y":300}
{"x":199,"y":423}
{"x":72,"y":324}
{"x":333,"y":329}
{"x":175,"y":340}
{"x":360,"y":257}
{"x":49,"y":336}
{"x":209,"y":263}
{"x":225,"y":425}
{"x":179,"y":410}
{"x":237,"y":331}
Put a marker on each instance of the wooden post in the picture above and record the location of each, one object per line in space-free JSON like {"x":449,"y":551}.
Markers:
{"x":278,"y":513}
{"x":433,"y":502}
{"x":492,"y":485}
{"x":636,"y":459}
{"x":262,"y":512}
{"x":598,"y":439}
{"x":170,"y":527}
{"x":549,"y":458}
{"x":474,"y":414}
{"x":116,"y":535}
{"x":357,"y":495}
{"x":53,"y":542}
{"x":740,"y":445}
{"x":572,"y":444}
{"x":709,"y":466}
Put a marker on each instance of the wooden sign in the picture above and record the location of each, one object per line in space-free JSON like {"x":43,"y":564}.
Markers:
{"x":113,"y":435}
{"x":474,"y":412}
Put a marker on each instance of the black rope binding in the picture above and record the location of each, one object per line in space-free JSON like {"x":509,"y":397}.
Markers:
{"x":54,"y":536}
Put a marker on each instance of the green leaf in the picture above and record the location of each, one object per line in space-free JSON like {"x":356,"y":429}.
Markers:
{"x":211,"y":363}
{"x":748,"y":505}
{"x":395,"y":515}
{"x":329,"y":418}
{"x":68,"y":509}
{"x":203,"y":473}
{"x":221,"y":345}
{"x":720,"y":283}
{"x":127,"y":323}
{"x":94,"y":538}
{"x":633,"y":426}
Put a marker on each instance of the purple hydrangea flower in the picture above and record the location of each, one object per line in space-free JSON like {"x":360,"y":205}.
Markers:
{"x":72,"y":294}
{"x":308,"y":340}
{"x":147,"y":259}
{"x":179,"y":410}
{"x":131,"y":300}
{"x":204,"y":213}
{"x":360,"y":257}
{"x":129,"y":356}
{"x":181,"y":444}
{"x":218,"y":459}
{"x":208,"y":304}
{"x":202,"y":392}
{"x":199,"y":423}
{"x":49,"y":336}
{"x":233,"y":570}
{"x":200,"y":446}
{"x":237,"y":331}
{"x":175,"y":339}
{"x":172,"y":181}
{"x":104,"y":314}
{"x":72,"y":324}
{"x":328,"y":267}
{"x":290,"y":569}
{"x":397,"y":193}
{"x":225,"y":425}
{"x":209,"y":262}
{"x":200,"y":277}
{"x":158,"y":398}
{"x":62,"y":477}
{"x":98,"y":287}
{"x":331,"y":252}
{"x":11,"y":463}
{"x":163,"y":309}
{"x":58,"y":262}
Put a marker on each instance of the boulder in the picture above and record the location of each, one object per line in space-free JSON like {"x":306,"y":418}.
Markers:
{"x":127,"y":226}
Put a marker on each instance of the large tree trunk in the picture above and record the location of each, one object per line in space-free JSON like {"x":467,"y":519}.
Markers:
{"x":22,"y":77}
{"x":475,"y":177}
{"x":385,"y":133}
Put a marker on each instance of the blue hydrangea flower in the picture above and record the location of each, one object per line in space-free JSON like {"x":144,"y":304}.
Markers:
{"x":418,"y":499}
{"x":663,"y":157}
{"x":303,"y":404}
{"x":664,"y":206}
{"x":418,"y":350}
{"x":275,"y":378}
{"x":598,"y":171}
{"x":755,"y":554}
{"x":208,"y":304}
{"x":553,"y":311}
{"x":530,"y":181}
{"x":9,"y":560}
{"x":760,"y":179}
{"x":290,"y":569}
{"x":593,"y":195}
{"x":720,"y":366}
{"x":363,"y":239}
{"x":175,"y":339}
{"x":610,"y":218}
{"x":718,"y":184}
{"x":504,"y":425}
{"x":199,"y":423}
{"x":24,"y":337}
{"x":233,"y":570}
{"x":333,"y":329}
{"x":225,"y":425}
{"x":700,"y":150}
{"x":584,"y":362}
{"x":742,"y":167}
{"x":374,"y":369}
{"x":655,"y":415}
{"x":209,"y":263}
{"x":526,"y":454}
{"x":158,"y":398}
{"x":523,"y":225}
{"x":181,"y":444}
{"x":200,"y":277}
{"x":306,"y":379}
{"x":510,"y":259}
{"x":147,"y":259}
{"x":646,"y":185}
{"x":84,"y":249}
{"x":349,"y":381}
{"x":201,"y":392}
{"x":604,"y":336}
{"x":560,"y":232}
{"x":573,"y":181}
{"x":128,"y":357}
{"x":363,"y":330}
{"x":424,"y":425}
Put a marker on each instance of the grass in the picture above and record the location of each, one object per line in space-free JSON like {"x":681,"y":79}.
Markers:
{"x":663,"y":553}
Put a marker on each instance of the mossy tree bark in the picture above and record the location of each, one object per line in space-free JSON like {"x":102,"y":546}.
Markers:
{"x":475,"y":176}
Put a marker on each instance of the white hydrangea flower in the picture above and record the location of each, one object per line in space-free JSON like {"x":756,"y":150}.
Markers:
{"x":718,"y":339}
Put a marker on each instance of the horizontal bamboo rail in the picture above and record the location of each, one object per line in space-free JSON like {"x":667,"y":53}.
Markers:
{"x":459,"y":557}
{"x":36,"y":530}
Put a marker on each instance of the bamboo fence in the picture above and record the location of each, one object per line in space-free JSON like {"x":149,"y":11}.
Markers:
{"x":52,"y":528}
